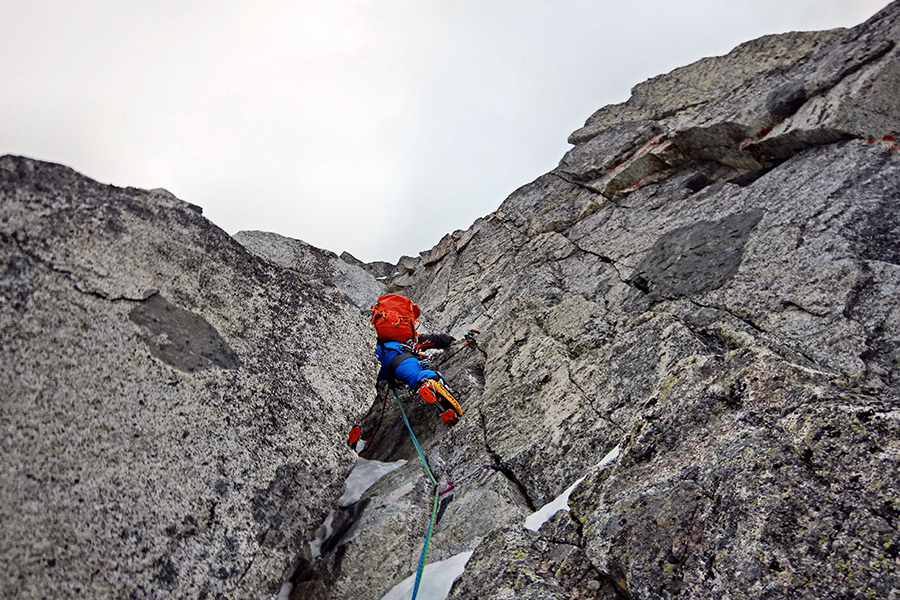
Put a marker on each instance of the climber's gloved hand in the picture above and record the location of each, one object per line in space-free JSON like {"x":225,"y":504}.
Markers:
{"x":438,"y":341}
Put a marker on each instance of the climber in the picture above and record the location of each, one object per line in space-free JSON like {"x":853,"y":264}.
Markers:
{"x":399,"y":350}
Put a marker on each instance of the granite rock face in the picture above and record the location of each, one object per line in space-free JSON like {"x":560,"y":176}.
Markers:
{"x":172,"y":419}
{"x":709,"y":283}
{"x":693,"y":323}
{"x":314,"y":265}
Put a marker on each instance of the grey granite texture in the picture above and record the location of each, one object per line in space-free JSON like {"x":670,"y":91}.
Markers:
{"x":173,"y":409}
{"x":709,"y":281}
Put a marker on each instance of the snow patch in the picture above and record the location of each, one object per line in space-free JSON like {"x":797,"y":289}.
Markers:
{"x":610,"y":456}
{"x":361,"y":478}
{"x":561,"y":502}
{"x":437,"y":579}
{"x":285,"y":592}
{"x":364,"y":476}
{"x":322,"y":534}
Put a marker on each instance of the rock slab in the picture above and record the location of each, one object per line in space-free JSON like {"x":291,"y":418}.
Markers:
{"x":174,"y":408}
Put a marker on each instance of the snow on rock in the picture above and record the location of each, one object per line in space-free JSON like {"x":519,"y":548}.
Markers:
{"x":364,"y":476}
{"x":285,"y":592}
{"x":437,"y":579}
{"x":561,"y":502}
{"x":610,"y":456}
{"x":322,"y":534}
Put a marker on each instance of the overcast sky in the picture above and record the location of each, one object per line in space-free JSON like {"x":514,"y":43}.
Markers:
{"x":372,"y":126}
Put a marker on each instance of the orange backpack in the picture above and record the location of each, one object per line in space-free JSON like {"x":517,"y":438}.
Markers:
{"x":395,"y":318}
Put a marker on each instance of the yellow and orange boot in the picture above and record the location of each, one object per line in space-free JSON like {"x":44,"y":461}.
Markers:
{"x":435,"y":391}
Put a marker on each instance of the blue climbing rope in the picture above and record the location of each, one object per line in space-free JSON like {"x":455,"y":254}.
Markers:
{"x":434,"y":508}
{"x":415,"y":441}
{"x":437,"y":495}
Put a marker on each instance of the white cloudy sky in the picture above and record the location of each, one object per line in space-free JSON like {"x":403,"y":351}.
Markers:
{"x":372,"y":126}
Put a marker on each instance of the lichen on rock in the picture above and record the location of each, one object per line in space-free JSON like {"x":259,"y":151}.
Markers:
{"x":708,"y":281}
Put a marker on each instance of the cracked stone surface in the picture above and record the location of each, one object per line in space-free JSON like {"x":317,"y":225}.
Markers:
{"x":708,"y":280}
{"x":170,"y":423}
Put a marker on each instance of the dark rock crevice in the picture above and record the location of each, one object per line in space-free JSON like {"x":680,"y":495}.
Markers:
{"x":604,"y":259}
{"x":71,"y":274}
{"x":746,"y":320}
{"x":791,"y":305}
{"x":501,"y":467}
{"x":788,"y":348}
{"x":569,"y":178}
{"x":600,"y":414}
{"x":738,"y":146}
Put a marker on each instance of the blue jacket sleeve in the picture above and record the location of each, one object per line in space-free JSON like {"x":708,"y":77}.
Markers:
{"x":411,"y":373}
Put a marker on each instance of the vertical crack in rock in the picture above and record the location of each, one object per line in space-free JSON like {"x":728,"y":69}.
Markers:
{"x":181,"y":338}
{"x":248,"y":567}
{"x":503,"y":469}
{"x":568,"y":178}
{"x":602,"y":258}
{"x":590,"y":402}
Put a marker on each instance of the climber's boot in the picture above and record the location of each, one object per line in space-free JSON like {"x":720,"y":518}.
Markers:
{"x":435,"y":391}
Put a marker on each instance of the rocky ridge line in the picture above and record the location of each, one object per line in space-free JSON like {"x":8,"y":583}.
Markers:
{"x":709,"y":280}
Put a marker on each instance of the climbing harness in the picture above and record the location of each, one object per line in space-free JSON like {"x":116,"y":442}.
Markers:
{"x":432,"y":390}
